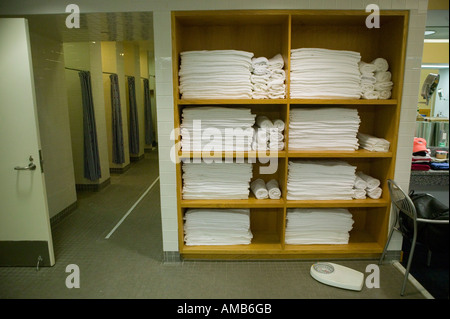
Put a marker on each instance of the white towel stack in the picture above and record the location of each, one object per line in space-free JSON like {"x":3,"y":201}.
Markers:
{"x":320,"y":180}
{"x":372,"y":143}
{"x":216,"y":180}
{"x":268,"y":134}
{"x":324,"y":129}
{"x":366,"y":185}
{"x":209,"y":129}
{"x":216,"y":74}
{"x":217,"y":227}
{"x":263,"y":190}
{"x":318,"y":226}
{"x":325,"y":74}
{"x":268,"y":78}
{"x":376,"y":81}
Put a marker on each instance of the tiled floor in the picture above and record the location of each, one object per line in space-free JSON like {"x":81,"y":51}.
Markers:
{"x":130,"y":263}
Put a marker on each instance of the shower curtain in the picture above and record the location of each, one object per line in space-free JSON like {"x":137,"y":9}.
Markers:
{"x":118,"y":154}
{"x":92,"y":169}
{"x":134,"y":124}
{"x":149,"y":136}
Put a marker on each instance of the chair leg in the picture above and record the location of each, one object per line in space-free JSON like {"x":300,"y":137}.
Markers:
{"x":385,"y":247}
{"x":429,"y":258}
{"x":408,"y":265}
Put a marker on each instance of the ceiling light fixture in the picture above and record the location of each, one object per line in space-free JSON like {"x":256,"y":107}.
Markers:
{"x":430,"y":32}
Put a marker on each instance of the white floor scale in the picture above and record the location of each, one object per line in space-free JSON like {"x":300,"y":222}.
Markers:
{"x":337,"y":276}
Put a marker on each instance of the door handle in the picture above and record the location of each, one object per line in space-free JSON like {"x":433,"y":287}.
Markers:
{"x":31,"y":166}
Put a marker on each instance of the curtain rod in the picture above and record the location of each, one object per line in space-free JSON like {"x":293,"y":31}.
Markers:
{"x":108,"y":72}
{"x":75,"y":69}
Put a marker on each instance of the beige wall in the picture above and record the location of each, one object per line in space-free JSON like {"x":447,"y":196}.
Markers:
{"x":53,"y":116}
{"x":113,"y":62}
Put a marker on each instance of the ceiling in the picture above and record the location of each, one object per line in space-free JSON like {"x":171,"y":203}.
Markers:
{"x":437,"y":20}
{"x":123,"y":26}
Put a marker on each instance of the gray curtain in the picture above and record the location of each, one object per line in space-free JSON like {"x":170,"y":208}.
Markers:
{"x":133,"y":135}
{"x":92,"y":169}
{"x":149,"y":135}
{"x":118,"y":154}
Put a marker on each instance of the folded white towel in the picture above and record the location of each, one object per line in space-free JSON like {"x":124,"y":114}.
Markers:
{"x":371,"y":181}
{"x":258,"y":188}
{"x":274,"y":189}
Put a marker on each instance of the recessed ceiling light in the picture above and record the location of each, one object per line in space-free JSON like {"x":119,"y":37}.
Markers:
{"x":430,"y":32}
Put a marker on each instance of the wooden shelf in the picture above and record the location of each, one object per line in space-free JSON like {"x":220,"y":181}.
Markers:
{"x":229,"y":101}
{"x":361,"y":153}
{"x":267,"y":33}
{"x":368,"y":202}
{"x":318,"y":102}
{"x":250,"y":154}
{"x":252,"y":202}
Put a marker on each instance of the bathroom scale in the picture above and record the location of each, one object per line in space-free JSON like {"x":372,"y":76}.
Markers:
{"x":338,"y":276}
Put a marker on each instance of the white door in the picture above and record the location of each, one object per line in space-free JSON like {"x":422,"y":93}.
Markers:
{"x":25,"y":233}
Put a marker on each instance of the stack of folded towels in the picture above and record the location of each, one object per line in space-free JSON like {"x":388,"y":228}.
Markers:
{"x":268,"y":134}
{"x":263,"y":190}
{"x":325,"y":74}
{"x":216,"y":180}
{"x":324,"y":129}
{"x":268,"y":78}
{"x":211,"y":226}
{"x":372,"y":143}
{"x":320,"y":180}
{"x":216,"y":74}
{"x":421,"y":158}
{"x":318,"y":226}
{"x":376,"y":79}
{"x":366,"y":185}
{"x":207,"y":129}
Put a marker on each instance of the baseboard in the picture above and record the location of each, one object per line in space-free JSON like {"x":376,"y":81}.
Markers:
{"x":119,"y":170}
{"x":93,"y":187}
{"x":64,"y":213}
{"x":24,"y":253}
{"x":136,"y":158}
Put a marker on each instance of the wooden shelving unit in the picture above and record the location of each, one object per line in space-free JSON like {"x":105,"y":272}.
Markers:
{"x":267,"y":33}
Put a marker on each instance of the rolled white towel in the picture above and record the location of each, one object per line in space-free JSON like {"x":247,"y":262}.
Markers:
{"x":371,"y":95}
{"x":276,"y":146}
{"x":360,"y":183}
{"x":371,"y":181}
{"x":381,"y":86}
{"x":279,"y":124}
{"x":276,"y":62}
{"x":275,"y":135}
{"x":367,"y":87}
{"x":374,"y":193}
{"x":274,"y":189}
{"x":359,"y":193}
{"x":383,"y":76}
{"x":366,"y":68}
{"x":258,"y":188}
{"x":381,"y":64}
{"x":263,"y":121}
{"x":385,"y":94}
